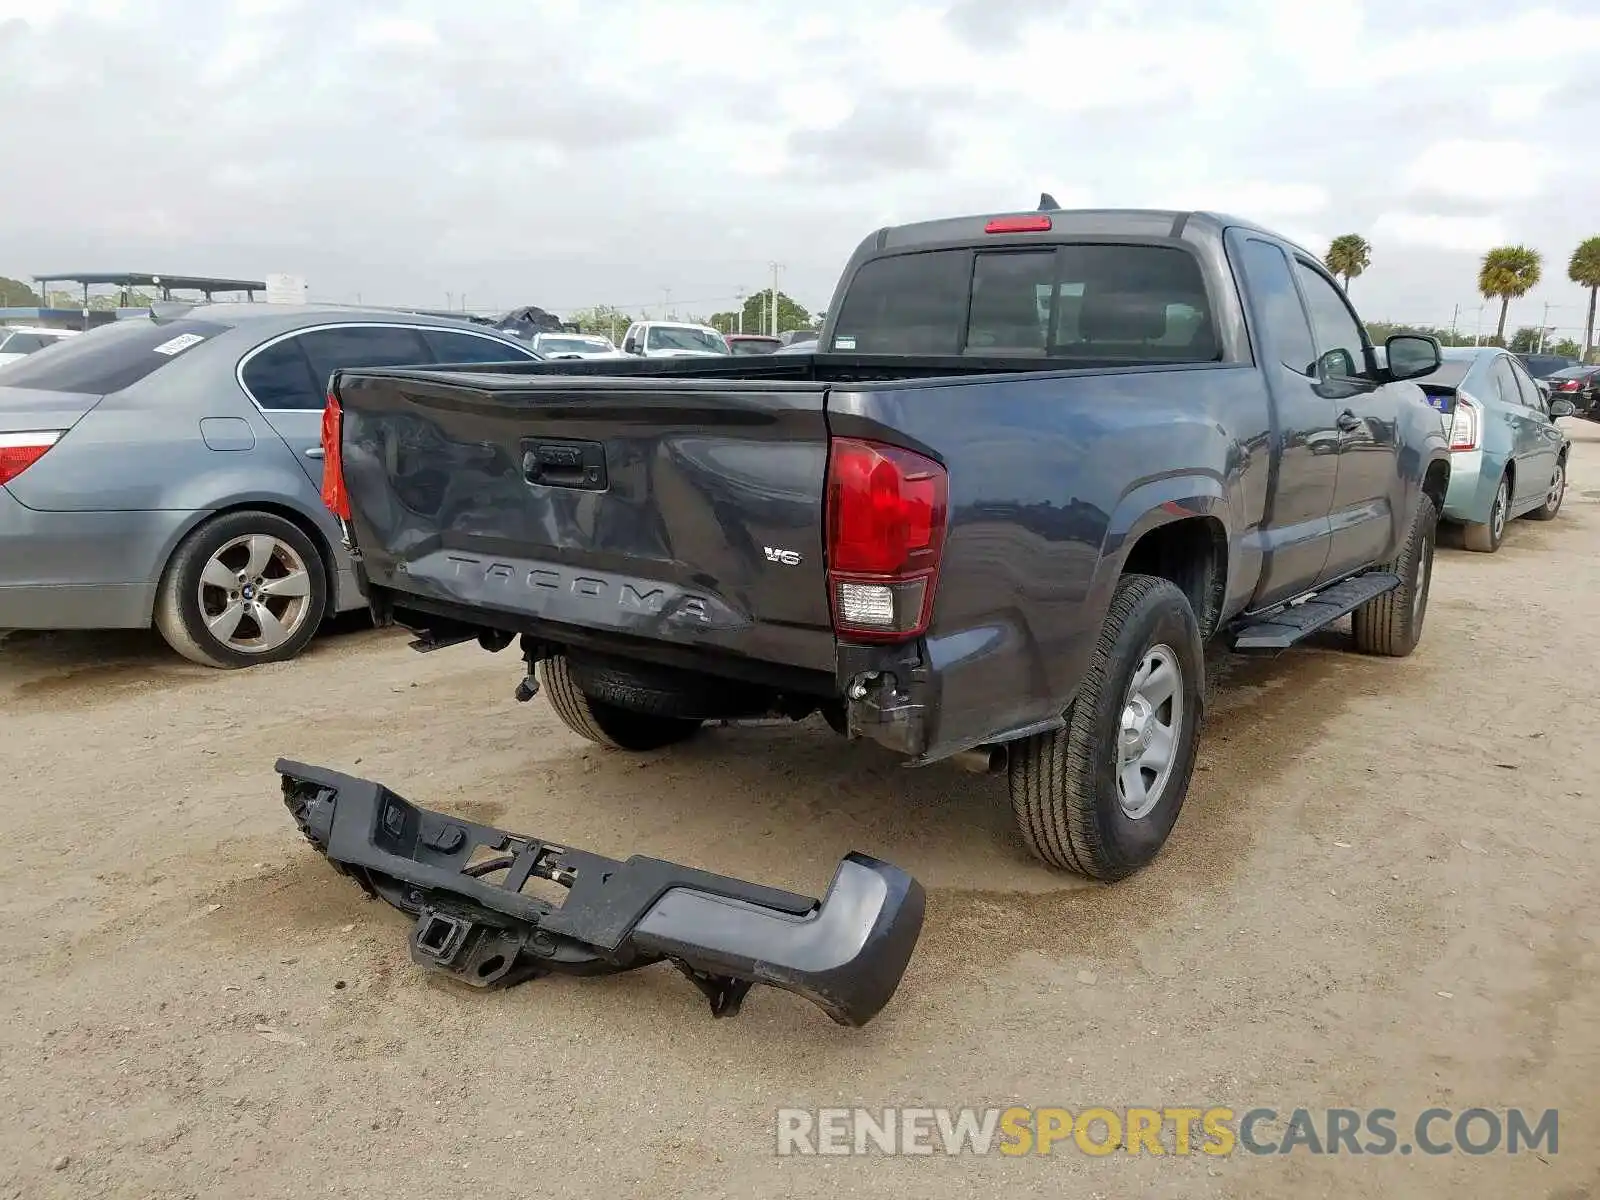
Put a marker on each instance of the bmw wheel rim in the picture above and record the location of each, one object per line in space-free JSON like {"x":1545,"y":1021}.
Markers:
{"x":1148,"y":732}
{"x":255,"y":593}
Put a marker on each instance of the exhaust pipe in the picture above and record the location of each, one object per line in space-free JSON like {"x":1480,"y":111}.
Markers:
{"x":981,"y":760}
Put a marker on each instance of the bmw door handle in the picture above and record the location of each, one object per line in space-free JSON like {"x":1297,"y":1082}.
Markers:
{"x":314,"y":452}
{"x":1348,"y":422}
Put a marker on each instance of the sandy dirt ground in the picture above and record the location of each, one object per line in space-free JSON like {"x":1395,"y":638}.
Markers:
{"x":1383,"y":892}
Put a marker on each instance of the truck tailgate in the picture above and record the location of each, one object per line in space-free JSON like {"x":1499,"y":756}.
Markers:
{"x":686,"y":510}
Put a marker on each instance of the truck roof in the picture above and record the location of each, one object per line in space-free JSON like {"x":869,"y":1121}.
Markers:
{"x":1065,"y":222}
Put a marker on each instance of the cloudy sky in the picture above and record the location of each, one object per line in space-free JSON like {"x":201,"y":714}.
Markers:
{"x":564,"y":154}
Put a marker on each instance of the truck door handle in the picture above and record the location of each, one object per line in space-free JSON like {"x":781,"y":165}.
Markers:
{"x":314,"y":452}
{"x":1348,"y":421}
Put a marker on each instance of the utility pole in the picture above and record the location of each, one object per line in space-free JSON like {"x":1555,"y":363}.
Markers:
{"x":1454,"y":316}
{"x":739,"y":296}
{"x":1543,"y":322}
{"x":666,"y":304}
{"x":776,"y":267}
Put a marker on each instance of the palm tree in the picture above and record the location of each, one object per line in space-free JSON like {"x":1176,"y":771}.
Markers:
{"x":1508,"y":273}
{"x":1584,"y":270}
{"x":1348,"y":255}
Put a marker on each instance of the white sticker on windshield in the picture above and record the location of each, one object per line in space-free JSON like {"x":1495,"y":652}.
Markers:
{"x":180,"y":343}
{"x":844,"y":343}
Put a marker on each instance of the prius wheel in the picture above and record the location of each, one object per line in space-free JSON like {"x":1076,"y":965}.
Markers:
{"x":1552,"y":498}
{"x":242,"y":589}
{"x":1486,"y":538}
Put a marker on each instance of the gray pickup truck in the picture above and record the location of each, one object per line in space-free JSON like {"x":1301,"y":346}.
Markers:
{"x":1036,"y":461}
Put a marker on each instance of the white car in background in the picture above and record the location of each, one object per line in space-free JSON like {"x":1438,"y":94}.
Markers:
{"x":574,"y":345}
{"x":673,"y":339}
{"x":18,"y":341}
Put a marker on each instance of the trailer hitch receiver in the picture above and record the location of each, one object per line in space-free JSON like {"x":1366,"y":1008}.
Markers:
{"x":463,"y":883}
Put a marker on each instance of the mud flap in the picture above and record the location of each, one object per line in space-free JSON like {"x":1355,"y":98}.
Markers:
{"x":463,"y":883}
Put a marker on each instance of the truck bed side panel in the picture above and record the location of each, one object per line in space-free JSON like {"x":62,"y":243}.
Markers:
{"x":1039,"y":472}
{"x":649,"y":507}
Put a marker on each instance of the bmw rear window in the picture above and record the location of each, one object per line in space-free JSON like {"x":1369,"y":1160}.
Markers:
{"x":108,"y":359}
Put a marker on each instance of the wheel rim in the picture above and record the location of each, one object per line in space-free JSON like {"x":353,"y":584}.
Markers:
{"x":1558,"y":487}
{"x":1419,"y":602}
{"x":1148,"y":732}
{"x":1497,"y":518}
{"x":255,"y":593}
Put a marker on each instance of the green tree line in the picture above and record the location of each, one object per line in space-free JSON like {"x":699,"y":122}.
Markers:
{"x":1505,"y":273}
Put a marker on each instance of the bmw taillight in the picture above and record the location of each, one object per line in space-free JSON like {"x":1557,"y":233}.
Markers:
{"x":333,"y":493}
{"x":1464,"y":424}
{"x":886,"y":511}
{"x":19,"y":451}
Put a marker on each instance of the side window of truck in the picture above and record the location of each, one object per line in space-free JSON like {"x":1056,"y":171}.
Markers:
{"x":1342,"y":351}
{"x":1287,"y":330}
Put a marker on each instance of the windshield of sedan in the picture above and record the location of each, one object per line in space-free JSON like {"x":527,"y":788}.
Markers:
{"x":684,"y":337}
{"x":110,"y":358}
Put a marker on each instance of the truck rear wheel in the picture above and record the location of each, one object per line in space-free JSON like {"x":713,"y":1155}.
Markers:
{"x":1391,"y":624}
{"x":1100,"y":795}
{"x":605,"y":724}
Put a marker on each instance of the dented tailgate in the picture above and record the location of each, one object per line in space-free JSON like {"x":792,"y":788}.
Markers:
{"x":682,"y":510}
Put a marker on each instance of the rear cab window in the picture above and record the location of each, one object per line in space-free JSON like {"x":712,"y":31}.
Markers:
{"x":112,"y":357}
{"x":1067,"y":301}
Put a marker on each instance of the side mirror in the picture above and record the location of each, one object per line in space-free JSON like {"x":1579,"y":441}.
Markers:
{"x":1562,"y":408}
{"x":1411,"y":356}
{"x":630,"y":346}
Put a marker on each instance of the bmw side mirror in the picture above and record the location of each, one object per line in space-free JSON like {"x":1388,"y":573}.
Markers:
{"x":1411,"y":356}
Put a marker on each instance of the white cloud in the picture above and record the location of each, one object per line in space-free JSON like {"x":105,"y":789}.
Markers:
{"x":1514,"y":104}
{"x":567,"y":153}
{"x":1434,"y":231}
{"x":396,"y":31}
{"x":1487,"y":171}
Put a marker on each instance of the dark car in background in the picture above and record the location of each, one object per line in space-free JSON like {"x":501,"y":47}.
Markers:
{"x":745,"y":344}
{"x":1579,"y":384}
{"x":1541,"y":366}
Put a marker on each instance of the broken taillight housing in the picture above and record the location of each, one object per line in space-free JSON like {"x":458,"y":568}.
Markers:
{"x":1464,"y":424}
{"x":19,"y":451}
{"x":886,"y":511}
{"x":333,"y":493}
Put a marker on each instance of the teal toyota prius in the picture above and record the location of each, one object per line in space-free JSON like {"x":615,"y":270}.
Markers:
{"x":1508,"y":457}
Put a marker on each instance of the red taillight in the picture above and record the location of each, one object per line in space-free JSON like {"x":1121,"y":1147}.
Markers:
{"x":333,"y":493}
{"x":1032,"y":223}
{"x":1464,"y":425}
{"x":886,"y":511}
{"x":1568,"y":385}
{"x":19,"y":451}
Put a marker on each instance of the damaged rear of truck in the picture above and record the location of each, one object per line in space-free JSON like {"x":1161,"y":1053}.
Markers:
{"x":1037,"y":461}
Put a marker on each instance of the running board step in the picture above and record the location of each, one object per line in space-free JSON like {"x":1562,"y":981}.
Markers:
{"x":1299,"y":621}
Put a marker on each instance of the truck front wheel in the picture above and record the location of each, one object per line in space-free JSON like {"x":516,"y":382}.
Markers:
{"x":1100,"y":795}
{"x":609,"y":725}
{"x":1391,"y":624}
